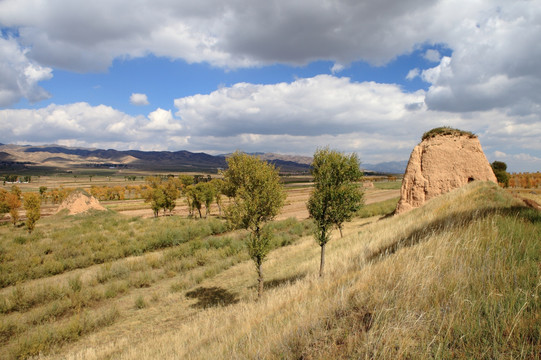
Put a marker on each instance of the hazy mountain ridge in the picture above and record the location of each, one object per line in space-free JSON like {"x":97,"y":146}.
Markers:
{"x":182,"y":160}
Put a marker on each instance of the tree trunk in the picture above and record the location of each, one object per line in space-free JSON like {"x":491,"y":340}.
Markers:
{"x":322,"y":261}
{"x":260,"y":279}
{"x":340,"y":228}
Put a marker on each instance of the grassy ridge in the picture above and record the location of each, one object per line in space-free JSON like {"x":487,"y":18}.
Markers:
{"x":458,"y":278}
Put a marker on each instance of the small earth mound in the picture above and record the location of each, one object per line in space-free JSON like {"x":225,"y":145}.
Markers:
{"x":368,"y":185}
{"x":79,"y":202}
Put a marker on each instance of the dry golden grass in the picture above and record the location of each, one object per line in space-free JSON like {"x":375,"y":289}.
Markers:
{"x":457,"y":278}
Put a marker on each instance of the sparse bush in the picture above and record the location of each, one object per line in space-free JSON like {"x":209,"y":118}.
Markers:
{"x":447,"y":131}
{"x":140,"y":303}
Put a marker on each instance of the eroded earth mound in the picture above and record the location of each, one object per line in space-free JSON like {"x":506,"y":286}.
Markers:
{"x":79,"y":202}
{"x":443,"y":161}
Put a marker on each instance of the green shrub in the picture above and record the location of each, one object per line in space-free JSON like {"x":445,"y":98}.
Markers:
{"x":447,"y":131}
{"x":140,"y":303}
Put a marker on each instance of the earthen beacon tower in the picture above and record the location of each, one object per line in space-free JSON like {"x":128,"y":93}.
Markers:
{"x":444,"y":160}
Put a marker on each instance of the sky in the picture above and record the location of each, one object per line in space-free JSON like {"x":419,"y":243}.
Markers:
{"x":277,"y":76}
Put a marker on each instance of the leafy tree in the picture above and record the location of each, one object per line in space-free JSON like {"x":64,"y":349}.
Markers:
{"x":32,"y":205}
{"x":172,"y":193}
{"x":500,"y":171}
{"x":336,"y":196}
{"x":43,"y":191}
{"x":16,"y":191}
{"x":156,"y":198}
{"x":209,"y":193}
{"x":14,"y":203}
{"x":194,"y":194}
{"x":4,"y":207}
{"x":218,"y":186}
{"x":161,"y":193}
{"x":257,"y":197}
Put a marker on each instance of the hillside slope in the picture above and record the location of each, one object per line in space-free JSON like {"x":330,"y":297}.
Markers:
{"x":457,"y":278}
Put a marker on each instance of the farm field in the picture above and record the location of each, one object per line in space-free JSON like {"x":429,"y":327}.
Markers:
{"x":298,"y":190}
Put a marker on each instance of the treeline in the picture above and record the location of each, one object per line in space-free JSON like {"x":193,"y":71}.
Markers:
{"x":525,"y":180}
{"x":161,"y":192}
{"x":11,"y":201}
{"x":16,"y":179}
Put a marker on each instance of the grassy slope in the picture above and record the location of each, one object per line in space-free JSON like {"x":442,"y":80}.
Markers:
{"x":150,"y":264}
{"x":458,"y":278}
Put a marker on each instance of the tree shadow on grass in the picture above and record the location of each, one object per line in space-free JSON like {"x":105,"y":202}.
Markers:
{"x":211,"y":297}
{"x":271,"y":284}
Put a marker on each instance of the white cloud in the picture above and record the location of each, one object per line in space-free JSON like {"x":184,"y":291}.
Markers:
{"x":162,"y":120}
{"x":320,"y":105}
{"x":19,"y":76}
{"x":432,"y":55}
{"x":87,"y":36}
{"x":412,"y":74}
{"x":336,"y":68}
{"x":493,"y":42}
{"x":493,"y":62}
{"x":379,"y":121}
{"x":139,"y":99}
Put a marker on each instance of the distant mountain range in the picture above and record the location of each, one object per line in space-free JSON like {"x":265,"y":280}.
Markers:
{"x":61,"y":157}
{"x":391,"y":167}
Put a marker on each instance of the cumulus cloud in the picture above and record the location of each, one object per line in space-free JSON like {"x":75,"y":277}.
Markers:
{"x":74,"y":121}
{"x":492,"y":64}
{"x":19,"y":76}
{"x":139,"y":99}
{"x":381,"y":122}
{"x":162,"y":120}
{"x":65,"y":34}
{"x":320,"y":105}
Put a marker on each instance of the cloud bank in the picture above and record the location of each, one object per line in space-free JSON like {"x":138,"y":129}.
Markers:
{"x":378,"y":121}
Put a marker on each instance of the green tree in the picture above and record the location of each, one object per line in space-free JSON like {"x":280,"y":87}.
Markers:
{"x":172,"y":193}
{"x":194,"y":194}
{"x":209,"y":193}
{"x":32,"y":205}
{"x":161,"y":193}
{"x":156,"y":198}
{"x":336,"y":195}
{"x":500,"y":171}
{"x":218,"y":186}
{"x":43,"y":191}
{"x":257,"y":197}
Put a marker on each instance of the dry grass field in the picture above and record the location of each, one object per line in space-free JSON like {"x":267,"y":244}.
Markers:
{"x":458,"y":278}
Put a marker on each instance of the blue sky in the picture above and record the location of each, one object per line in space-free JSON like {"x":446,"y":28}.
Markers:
{"x":163,"y":80}
{"x":286,"y":77}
